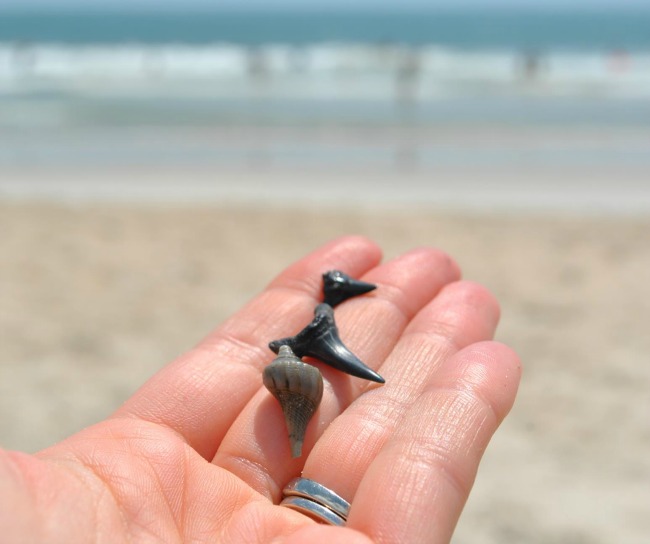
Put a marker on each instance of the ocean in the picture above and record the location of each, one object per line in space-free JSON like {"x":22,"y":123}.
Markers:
{"x":480,"y":29}
{"x":166,"y":79}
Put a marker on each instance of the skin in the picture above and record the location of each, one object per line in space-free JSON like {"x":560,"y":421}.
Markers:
{"x":200,"y":452}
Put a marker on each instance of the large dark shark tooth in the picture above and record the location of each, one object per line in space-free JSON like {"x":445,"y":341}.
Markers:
{"x":320,"y":339}
{"x":338,"y":287}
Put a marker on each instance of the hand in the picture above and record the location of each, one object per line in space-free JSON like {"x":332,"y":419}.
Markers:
{"x":200,"y":453}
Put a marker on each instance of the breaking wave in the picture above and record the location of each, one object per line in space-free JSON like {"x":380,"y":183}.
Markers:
{"x":330,"y":71}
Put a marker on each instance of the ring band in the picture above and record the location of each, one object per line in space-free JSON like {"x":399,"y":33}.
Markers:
{"x":300,"y":491}
{"x":313,"y":510}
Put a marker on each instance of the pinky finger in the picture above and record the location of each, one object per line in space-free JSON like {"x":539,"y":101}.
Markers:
{"x":417,"y":485}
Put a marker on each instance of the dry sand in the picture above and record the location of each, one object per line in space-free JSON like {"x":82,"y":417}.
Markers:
{"x":95,"y":298}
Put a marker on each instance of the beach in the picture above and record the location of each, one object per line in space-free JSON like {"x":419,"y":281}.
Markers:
{"x":157,"y":170}
{"x":98,"y":293}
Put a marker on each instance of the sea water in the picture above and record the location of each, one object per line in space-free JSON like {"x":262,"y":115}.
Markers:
{"x":72,"y":84}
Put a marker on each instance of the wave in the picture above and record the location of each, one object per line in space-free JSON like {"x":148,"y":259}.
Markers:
{"x":335,"y":70}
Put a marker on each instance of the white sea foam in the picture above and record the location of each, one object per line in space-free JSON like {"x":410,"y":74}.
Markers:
{"x":334,"y":70}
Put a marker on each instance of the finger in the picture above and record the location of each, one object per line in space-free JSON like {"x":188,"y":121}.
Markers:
{"x":322,"y":534}
{"x":416,"y":487}
{"x":201,"y":393}
{"x":463,"y":313}
{"x":256,"y":448}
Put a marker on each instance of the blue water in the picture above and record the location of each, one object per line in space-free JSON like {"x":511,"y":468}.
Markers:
{"x":102,"y":88}
{"x":521,"y":30}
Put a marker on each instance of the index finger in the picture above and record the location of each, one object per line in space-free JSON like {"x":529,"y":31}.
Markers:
{"x":201,"y":393}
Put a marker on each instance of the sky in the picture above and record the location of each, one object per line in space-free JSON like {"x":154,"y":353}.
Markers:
{"x":320,"y":4}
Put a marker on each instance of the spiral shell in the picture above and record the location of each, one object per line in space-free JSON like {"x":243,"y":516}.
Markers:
{"x":299,"y":390}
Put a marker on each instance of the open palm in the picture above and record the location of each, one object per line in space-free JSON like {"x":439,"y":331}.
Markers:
{"x":200,"y":453}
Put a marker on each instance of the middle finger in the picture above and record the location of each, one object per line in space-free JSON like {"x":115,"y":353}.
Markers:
{"x":462,"y":314}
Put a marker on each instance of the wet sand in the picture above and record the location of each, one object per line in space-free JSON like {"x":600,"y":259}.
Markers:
{"x":96,"y":297}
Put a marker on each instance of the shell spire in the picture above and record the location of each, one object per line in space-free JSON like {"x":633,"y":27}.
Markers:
{"x":298,"y":387}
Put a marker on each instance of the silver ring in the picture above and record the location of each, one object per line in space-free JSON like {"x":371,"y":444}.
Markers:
{"x":319,"y":494}
{"x":313,"y":510}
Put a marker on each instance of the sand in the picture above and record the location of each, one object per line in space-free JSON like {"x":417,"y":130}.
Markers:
{"x":94,"y":298}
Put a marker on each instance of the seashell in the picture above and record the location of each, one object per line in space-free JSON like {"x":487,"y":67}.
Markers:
{"x":338,"y":287}
{"x":299,"y":390}
{"x":320,"y":339}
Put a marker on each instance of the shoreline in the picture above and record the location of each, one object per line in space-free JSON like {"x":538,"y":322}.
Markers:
{"x":584,"y":191}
